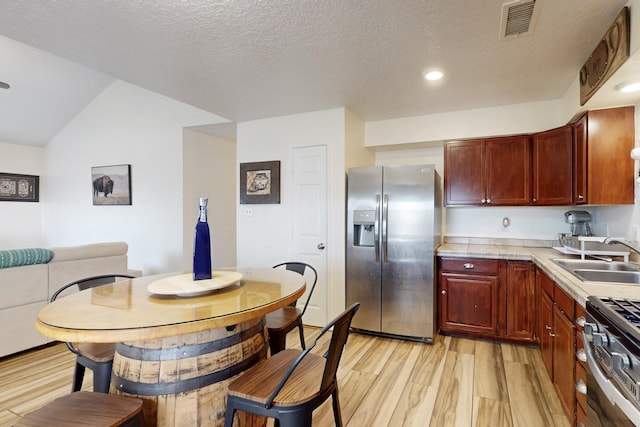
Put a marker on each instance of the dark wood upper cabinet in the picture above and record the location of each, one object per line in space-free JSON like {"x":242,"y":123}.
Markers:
{"x":493,"y":171}
{"x":508,"y":169}
{"x":552,"y":159}
{"x":464,"y":177}
{"x":586,"y":162}
{"x":579,"y":196}
{"x":607,"y":137}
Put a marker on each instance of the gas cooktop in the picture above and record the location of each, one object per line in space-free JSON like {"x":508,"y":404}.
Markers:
{"x":621,"y":313}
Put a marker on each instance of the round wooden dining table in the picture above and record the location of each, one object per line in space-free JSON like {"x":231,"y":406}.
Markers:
{"x":176,"y":352}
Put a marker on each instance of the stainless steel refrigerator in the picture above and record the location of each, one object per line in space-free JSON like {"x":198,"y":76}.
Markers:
{"x":393,"y":230}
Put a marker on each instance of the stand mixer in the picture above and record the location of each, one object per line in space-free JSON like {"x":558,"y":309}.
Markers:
{"x":579,"y":221}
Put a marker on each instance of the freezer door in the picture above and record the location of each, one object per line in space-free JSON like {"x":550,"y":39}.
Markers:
{"x":364,"y":193}
{"x":408,"y":247}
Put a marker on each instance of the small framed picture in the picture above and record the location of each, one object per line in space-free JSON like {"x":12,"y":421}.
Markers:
{"x":260,"y":183}
{"x":19,"y":188}
{"x":111,"y":185}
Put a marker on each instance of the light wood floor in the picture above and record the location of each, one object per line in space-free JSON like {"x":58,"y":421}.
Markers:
{"x":382,"y":382}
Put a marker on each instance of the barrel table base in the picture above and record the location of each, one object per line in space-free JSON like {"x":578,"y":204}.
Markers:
{"x":183,"y":380}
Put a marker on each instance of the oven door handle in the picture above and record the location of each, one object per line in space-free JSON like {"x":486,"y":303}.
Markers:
{"x":609,"y":389}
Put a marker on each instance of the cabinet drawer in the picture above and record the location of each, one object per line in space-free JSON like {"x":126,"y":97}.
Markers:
{"x":564,"y":302}
{"x":470,"y":265}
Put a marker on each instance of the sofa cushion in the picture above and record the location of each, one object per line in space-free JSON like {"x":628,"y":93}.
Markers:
{"x":24,"y":285}
{"x":94,"y":250}
{"x":18,"y":257}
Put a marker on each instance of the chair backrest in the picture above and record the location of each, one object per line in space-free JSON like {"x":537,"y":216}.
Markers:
{"x":90,"y":282}
{"x":300,"y":268}
{"x":86,"y":283}
{"x":340,"y":325}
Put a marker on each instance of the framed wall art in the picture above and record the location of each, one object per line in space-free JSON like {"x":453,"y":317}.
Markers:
{"x":19,"y":188}
{"x":111,"y":185}
{"x":260,"y":183}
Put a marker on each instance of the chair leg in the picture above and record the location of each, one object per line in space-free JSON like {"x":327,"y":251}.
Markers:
{"x":277,"y":342}
{"x":229,"y":413}
{"x":102,"y":377}
{"x":337,"y":414}
{"x":78,"y":376}
{"x":301,"y":330}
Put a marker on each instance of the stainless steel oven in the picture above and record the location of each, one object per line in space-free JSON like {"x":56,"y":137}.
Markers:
{"x":612,"y":346}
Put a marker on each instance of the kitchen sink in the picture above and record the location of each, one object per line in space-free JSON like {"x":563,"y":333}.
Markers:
{"x":588,"y":264}
{"x":626,"y":277}
{"x":602,"y":271}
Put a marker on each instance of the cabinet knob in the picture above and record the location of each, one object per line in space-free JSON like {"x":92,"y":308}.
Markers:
{"x":468,"y":266}
{"x":534,"y":200}
{"x":581,"y":387}
{"x":483,"y":200}
{"x":488,"y":201}
{"x":581,"y":355}
{"x":443,"y":292}
{"x":580,"y":321}
{"x":580,"y":197}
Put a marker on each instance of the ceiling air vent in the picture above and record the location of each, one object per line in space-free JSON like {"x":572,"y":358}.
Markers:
{"x":518,"y":18}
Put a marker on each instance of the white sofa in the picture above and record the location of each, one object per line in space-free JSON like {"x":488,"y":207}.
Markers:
{"x":26,"y":289}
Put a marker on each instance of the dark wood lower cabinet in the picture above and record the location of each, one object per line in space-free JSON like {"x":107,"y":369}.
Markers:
{"x":564,"y":379}
{"x":546,"y":335}
{"x":557,"y":314}
{"x":520,"y":296}
{"x":468,"y":303}
{"x":488,"y":298}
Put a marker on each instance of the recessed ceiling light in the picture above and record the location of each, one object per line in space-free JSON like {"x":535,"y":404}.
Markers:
{"x":4,"y":85}
{"x":434,"y":75}
{"x":629,"y":86}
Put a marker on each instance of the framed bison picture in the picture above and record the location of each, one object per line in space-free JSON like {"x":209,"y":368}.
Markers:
{"x":111,"y":185}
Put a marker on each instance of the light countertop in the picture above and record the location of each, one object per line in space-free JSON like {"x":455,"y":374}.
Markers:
{"x":542,"y":257}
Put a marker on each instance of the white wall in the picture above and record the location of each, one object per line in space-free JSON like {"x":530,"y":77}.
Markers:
{"x":125,"y":124}
{"x":209,"y":169}
{"x":21,"y":222}
{"x":482,"y":122}
{"x":264,"y":238}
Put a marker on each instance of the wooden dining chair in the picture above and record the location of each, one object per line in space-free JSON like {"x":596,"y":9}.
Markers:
{"x":285,"y":319}
{"x":87,"y":409}
{"x":96,"y":356}
{"x":292,"y":383}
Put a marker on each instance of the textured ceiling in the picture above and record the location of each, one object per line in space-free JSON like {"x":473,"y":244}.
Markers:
{"x":245,"y":60}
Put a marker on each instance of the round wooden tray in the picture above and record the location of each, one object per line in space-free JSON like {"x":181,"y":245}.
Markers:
{"x":184,"y":285}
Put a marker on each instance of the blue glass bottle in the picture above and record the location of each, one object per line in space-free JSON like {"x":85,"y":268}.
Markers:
{"x":202,"y":245}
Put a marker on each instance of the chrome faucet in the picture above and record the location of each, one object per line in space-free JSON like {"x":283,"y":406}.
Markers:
{"x":612,"y":240}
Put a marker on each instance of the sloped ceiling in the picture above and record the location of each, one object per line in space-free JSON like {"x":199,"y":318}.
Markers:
{"x":251,"y":59}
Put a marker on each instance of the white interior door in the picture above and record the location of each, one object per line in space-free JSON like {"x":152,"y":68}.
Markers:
{"x":310,"y":224}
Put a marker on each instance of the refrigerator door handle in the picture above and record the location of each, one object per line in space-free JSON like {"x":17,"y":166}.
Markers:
{"x":385,"y":224}
{"x":376,"y":229}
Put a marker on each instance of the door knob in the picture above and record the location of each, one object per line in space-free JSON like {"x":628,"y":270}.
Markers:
{"x":321,"y":246}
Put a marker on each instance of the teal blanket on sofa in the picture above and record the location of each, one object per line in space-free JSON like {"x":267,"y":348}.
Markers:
{"x":18,"y":257}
